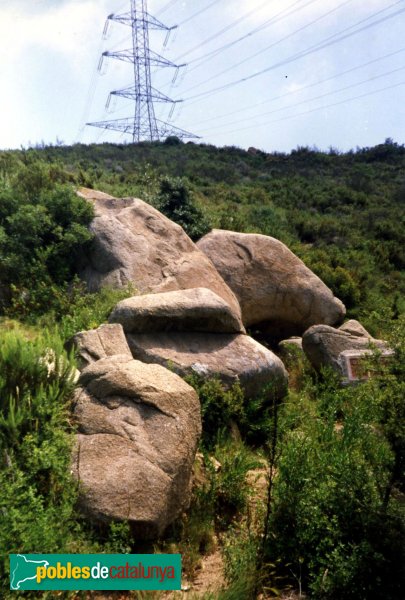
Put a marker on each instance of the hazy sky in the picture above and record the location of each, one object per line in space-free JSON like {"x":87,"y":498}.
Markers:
{"x":316,"y":72}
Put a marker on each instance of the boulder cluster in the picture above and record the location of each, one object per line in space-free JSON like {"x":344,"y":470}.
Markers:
{"x":138,"y":421}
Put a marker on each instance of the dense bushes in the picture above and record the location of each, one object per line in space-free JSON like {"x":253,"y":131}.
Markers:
{"x":336,"y":521}
{"x":175,"y":201}
{"x":37,"y":495}
{"x":225,"y":410}
{"x":332,"y":524}
{"x":43,"y":229}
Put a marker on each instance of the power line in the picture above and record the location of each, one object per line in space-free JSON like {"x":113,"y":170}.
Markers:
{"x":166,"y":7}
{"x":90,"y":95}
{"x":280,"y":97}
{"x":312,"y":49}
{"x":127,"y":38}
{"x":347,"y":87}
{"x":193,"y":16}
{"x":202,"y":59}
{"x":310,"y":85}
{"x":199,"y":12}
{"x":272,"y":45}
{"x":299,"y":54}
{"x":390,"y":87}
{"x":275,"y":19}
{"x":224,"y":30}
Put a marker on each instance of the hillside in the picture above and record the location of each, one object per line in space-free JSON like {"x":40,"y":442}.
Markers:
{"x":343,"y":214}
{"x":298,"y":481}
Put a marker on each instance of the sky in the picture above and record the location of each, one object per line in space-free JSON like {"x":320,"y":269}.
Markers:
{"x":274,"y":74}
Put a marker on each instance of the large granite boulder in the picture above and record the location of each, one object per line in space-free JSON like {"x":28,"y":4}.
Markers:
{"x":135,"y":244}
{"x":197,"y":309}
{"x":326,"y":346}
{"x":138,"y":429}
{"x":106,"y":340}
{"x":231,"y":357}
{"x":276,"y":291}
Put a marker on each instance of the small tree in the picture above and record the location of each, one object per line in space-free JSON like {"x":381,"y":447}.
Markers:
{"x":175,"y":200}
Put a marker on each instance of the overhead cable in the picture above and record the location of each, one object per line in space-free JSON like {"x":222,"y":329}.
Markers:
{"x":305,"y":87}
{"x":198,"y":13}
{"x":275,"y":19}
{"x":331,"y":40}
{"x":262,"y":50}
{"x":347,"y":87}
{"x":312,"y":110}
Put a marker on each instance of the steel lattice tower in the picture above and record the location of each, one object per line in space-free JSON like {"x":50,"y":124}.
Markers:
{"x":143,"y":125}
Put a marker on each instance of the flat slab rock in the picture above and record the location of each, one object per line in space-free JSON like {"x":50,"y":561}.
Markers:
{"x":136,"y":244}
{"x":197,"y":309}
{"x":231,"y":357}
{"x":276,"y":291}
{"x":139,"y":427}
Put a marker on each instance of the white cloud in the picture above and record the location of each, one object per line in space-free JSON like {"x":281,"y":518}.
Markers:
{"x":62,"y":27}
{"x":51,"y":49}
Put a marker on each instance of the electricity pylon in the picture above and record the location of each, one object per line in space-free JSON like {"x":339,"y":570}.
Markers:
{"x":143,"y":125}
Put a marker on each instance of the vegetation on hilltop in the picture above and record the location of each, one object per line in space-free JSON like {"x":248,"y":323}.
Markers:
{"x":342,"y":213}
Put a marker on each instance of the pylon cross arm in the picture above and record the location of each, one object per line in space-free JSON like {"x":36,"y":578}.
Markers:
{"x":143,"y":124}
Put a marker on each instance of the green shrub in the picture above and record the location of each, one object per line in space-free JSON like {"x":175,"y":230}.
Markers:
{"x":240,"y":550}
{"x":219,"y":407}
{"x":35,"y":380}
{"x":330,"y":520}
{"x":43,"y":230}
{"x":224,"y":408}
{"x":232,"y":488}
{"x":80,"y":310}
{"x":37,"y":494}
{"x":176,"y":202}
{"x":259,"y":415}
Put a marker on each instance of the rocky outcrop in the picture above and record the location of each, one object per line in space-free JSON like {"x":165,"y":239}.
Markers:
{"x":325,"y":346}
{"x":290,"y":349}
{"x":231,"y":357}
{"x":295,"y":342}
{"x":195,"y":331}
{"x":92,"y":195}
{"x":355,"y":328}
{"x":135,"y":244}
{"x":138,"y":431}
{"x":276,"y":291}
{"x":197,"y":309}
{"x":106,"y":340}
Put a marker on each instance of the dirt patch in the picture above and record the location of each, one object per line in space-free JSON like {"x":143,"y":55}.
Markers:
{"x":210,"y":578}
